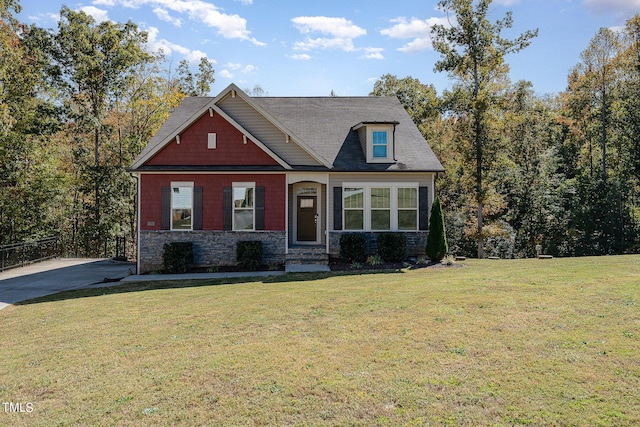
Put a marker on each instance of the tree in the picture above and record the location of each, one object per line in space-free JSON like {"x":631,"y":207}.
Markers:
{"x":200,"y":84}
{"x":437,"y":246}
{"x":472,"y":51}
{"x":30,"y":178}
{"x":598,"y":67}
{"x":420,"y":100}
{"x":91,"y":63}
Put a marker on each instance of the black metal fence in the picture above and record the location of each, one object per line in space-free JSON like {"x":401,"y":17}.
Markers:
{"x":19,"y":254}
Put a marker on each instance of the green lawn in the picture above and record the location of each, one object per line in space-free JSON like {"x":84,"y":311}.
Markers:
{"x":535,"y":342}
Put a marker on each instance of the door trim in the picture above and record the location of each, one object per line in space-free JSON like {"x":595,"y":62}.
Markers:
{"x":319,"y":212}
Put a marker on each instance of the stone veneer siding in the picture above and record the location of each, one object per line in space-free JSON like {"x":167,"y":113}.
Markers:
{"x":416,"y":242}
{"x":210,"y":248}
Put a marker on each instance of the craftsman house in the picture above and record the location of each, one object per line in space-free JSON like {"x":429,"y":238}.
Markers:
{"x":294,"y":173}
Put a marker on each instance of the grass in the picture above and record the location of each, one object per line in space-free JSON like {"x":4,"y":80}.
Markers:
{"x":520,"y":342}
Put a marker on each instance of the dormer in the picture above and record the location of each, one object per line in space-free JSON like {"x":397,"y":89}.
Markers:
{"x":377,"y":140}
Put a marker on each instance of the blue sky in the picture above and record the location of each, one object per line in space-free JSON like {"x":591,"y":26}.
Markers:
{"x":309,"y":48}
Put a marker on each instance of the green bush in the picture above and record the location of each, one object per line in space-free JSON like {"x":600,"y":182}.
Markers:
{"x":353,"y":247}
{"x":437,"y":246}
{"x":177,"y":257}
{"x":249,"y":254}
{"x":392,"y":247}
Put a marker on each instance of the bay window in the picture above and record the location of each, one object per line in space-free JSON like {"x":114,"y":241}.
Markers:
{"x":353,"y":208}
{"x":407,"y":208}
{"x":380,"y":207}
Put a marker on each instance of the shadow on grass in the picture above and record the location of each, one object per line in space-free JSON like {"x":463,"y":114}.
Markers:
{"x":126,"y":287}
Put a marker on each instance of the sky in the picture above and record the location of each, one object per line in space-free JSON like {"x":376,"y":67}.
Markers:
{"x":311,"y":48}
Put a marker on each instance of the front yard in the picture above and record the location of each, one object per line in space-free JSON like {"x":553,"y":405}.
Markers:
{"x":537,"y":342}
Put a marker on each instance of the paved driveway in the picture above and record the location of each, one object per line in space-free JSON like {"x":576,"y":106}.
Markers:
{"x":53,"y":276}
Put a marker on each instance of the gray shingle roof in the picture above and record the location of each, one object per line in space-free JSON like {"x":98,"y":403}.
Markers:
{"x":325,"y":124}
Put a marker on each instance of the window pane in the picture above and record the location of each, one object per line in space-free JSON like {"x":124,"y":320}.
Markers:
{"x":242,"y":197}
{"x":354,"y":220}
{"x":181,"y":205}
{"x":379,"y":138}
{"x":353,"y":198}
{"x":380,"y":220}
{"x":182,"y":198}
{"x":243,"y":219}
{"x":408,"y":220}
{"x":181,"y":219}
{"x":379,"y":151}
{"x":380,"y":198}
{"x":379,"y":144}
{"x":407,"y":198}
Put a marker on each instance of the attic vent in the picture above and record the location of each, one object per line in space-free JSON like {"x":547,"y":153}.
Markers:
{"x":211,"y":141}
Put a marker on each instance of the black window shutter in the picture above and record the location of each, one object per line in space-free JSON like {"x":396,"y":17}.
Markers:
{"x":337,"y":208}
{"x":166,"y":208}
{"x":259,"y":208}
{"x":227,"y":208}
{"x":197,"y":208}
{"x":423,"y":214}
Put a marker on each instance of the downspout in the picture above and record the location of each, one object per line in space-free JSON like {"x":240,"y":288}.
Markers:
{"x":394,"y":142}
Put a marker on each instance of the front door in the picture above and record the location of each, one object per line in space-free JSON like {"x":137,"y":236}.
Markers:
{"x":307,"y":218}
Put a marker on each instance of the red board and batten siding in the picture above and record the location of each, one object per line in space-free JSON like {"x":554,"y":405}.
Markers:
{"x":212,"y":190}
{"x":230,"y":147}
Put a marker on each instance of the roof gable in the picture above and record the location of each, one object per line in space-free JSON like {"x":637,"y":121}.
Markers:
{"x":305,"y":132}
{"x":190,"y":110}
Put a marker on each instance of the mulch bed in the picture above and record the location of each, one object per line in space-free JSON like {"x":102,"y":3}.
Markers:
{"x":339,"y":264}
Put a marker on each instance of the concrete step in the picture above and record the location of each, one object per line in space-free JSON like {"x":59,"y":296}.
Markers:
{"x":312,"y":255}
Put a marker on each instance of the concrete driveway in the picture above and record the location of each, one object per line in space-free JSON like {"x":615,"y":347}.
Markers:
{"x":63,"y":274}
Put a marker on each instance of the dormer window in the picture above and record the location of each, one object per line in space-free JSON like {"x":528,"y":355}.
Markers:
{"x":377,"y":139}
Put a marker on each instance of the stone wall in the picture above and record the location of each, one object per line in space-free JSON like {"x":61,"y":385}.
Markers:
{"x":209,"y":247}
{"x":416,"y":242}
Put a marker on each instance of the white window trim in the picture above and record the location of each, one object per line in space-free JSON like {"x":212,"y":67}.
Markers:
{"x":181,"y":184}
{"x":393,"y":186}
{"x":390,"y":141}
{"x":233,"y":208}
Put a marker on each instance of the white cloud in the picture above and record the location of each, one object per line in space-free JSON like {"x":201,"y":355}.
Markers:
{"x":228,"y":26}
{"x":246,"y":2}
{"x":341,"y":33}
{"x":373,"y":53}
{"x":231,"y":69}
{"x":245,"y":69}
{"x":100,"y":15}
{"x":301,"y":57}
{"x":417,"y":29}
{"x":163,"y":15}
{"x":168,"y":48}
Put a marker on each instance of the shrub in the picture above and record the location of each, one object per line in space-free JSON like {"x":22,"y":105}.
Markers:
{"x":177,"y":257}
{"x":353,"y":247}
{"x":437,"y":246}
{"x":249,"y":254}
{"x":392,"y":247}
{"x":374,"y":260}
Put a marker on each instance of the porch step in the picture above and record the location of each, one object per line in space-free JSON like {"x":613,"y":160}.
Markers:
{"x":313,"y":255}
